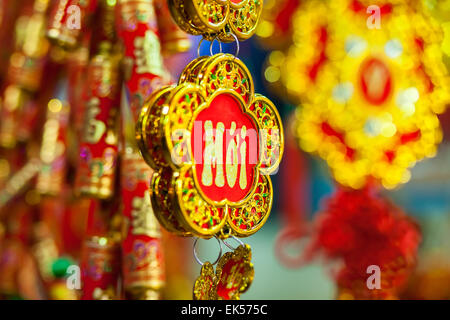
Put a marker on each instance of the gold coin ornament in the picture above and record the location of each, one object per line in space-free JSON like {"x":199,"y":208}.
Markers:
{"x":233,"y":276}
{"x":217,"y":18}
{"x":369,"y":87}
{"x":213,"y":143}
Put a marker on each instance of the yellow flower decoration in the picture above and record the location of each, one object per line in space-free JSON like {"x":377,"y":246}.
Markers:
{"x":213,"y":143}
{"x":370,"y":111}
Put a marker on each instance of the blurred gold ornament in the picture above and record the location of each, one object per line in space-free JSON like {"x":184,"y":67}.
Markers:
{"x":369,"y":96}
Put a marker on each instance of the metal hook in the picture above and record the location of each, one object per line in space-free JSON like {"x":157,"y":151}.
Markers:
{"x":198,"y":48}
{"x":196,"y":256}
{"x":234,"y":238}
{"x":211,"y":45}
{"x":238,"y":48}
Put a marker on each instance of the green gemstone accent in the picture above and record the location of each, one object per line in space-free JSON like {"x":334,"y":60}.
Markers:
{"x":141,"y":17}
{"x":188,"y":98}
{"x":59,"y":267}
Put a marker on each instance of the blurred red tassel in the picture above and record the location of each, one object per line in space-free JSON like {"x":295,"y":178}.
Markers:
{"x":363,"y":229}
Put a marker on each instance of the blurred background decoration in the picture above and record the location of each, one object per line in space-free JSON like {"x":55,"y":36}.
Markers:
{"x":352,"y":189}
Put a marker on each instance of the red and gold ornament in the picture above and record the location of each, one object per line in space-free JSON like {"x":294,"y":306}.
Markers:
{"x":137,"y":27}
{"x":233,"y":276}
{"x":99,"y":140}
{"x":100,"y":265}
{"x":218,"y":184}
{"x":222,"y":19}
{"x":213,"y":143}
{"x":143,"y":259}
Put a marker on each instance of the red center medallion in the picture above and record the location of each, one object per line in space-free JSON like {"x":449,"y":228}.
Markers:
{"x":376,"y":81}
{"x":225,"y":149}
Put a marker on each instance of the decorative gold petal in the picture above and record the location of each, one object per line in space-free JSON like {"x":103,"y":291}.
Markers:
{"x":224,"y":71}
{"x":148,"y":128}
{"x":183,"y":102}
{"x":244,"y":20}
{"x":190,"y":72}
{"x":250,"y":217}
{"x":208,"y":15}
{"x":270,"y":132}
{"x":205,"y":285}
{"x":161,"y":193}
{"x":178,"y":11}
{"x":197,"y":215}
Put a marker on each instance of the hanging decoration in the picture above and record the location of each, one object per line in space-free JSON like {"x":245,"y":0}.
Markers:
{"x":223,"y":19}
{"x":213,"y":143}
{"x":236,"y":197}
{"x":233,"y":275}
